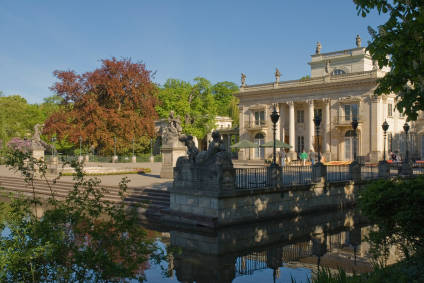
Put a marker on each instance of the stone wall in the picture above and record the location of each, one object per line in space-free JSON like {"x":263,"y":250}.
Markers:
{"x":223,"y":208}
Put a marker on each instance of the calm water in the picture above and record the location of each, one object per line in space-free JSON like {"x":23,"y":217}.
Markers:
{"x":273,"y":251}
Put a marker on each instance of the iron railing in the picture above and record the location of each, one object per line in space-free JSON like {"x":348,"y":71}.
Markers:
{"x":418,"y":168}
{"x":336,"y":173}
{"x":296,"y":175}
{"x":369,"y":171}
{"x":252,"y":178}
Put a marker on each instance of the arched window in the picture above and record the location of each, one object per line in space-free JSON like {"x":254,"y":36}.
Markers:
{"x":338,"y":72}
{"x":259,"y":151}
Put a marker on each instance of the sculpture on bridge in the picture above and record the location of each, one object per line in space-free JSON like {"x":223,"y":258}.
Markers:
{"x":208,"y":170}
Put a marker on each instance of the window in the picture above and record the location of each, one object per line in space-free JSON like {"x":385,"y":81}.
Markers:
{"x":300,"y":145}
{"x":318,"y":112}
{"x":338,"y":72}
{"x":259,"y":118}
{"x":300,"y":116}
{"x":259,"y":151}
{"x":351,"y":112}
{"x":389,"y":110}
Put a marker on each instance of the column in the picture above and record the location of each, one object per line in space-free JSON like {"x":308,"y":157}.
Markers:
{"x":281,"y":121}
{"x":310,"y":126}
{"x":291,"y":126}
{"x":376,"y":132}
{"x":326,"y":129}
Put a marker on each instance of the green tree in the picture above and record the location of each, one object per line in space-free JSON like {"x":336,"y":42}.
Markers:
{"x":227,"y":103}
{"x":399,"y":44}
{"x":194,"y":104}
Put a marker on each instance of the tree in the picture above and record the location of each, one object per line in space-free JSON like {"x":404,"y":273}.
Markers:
{"x":116,"y":100}
{"x":195,"y":105}
{"x":399,"y":44}
{"x":198,"y":104}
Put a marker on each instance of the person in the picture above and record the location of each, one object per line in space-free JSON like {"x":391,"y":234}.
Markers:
{"x":303,"y":157}
{"x":282,"y":157}
{"x":312,"y":157}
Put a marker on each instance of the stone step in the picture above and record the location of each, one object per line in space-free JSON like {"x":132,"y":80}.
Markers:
{"x":140,"y":194}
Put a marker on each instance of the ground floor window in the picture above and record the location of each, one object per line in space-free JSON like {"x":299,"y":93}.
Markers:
{"x":259,"y":151}
{"x":351,"y":146}
{"x":300,"y":145}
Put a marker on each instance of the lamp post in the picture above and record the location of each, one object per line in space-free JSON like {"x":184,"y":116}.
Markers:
{"x":317,"y":122}
{"x":114,"y":146}
{"x":54,"y":148}
{"x":355,"y":142}
{"x":274,"y":119}
{"x":80,"y":141}
{"x":385,"y":127}
{"x":406,"y":129}
{"x":133,"y":146}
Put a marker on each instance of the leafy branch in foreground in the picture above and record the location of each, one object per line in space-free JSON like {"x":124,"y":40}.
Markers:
{"x":81,"y":237}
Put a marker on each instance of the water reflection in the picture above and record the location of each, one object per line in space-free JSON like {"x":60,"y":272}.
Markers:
{"x":272,"y":251}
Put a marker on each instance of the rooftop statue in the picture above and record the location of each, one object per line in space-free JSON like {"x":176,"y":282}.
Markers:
{"x":277,"y":75}
{"x":327,"y":67}
{"x":358,"y":41}
{"x":243,"y":79}
{"x":318,"y":48}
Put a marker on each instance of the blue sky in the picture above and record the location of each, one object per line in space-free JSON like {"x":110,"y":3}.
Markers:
{"x":181,"y":39}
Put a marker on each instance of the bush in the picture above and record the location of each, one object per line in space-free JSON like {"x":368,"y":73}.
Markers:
{"x":81,"y":238}
{"x":397,"y":207}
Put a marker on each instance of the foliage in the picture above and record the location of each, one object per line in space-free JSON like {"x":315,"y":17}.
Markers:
{"x":305,"y":78}
{"x":81,"y":238}
{"x":116,"y":100}
{"x":17,"y":117}
{"x":20,"y":144}
{"x":402,"y":272}
{"x":197,"y":104}
{"x":399,"y":44}
{"x":397,"y":207}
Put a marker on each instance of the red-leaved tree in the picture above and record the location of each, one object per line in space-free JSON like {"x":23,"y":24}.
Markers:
{"x":116,"y":100}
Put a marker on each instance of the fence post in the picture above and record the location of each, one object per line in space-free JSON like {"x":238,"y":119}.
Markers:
{"x":355,"y":171}
{"x":319,"y":172}
{"x":383,"y":169}
{"x":274,"y":176}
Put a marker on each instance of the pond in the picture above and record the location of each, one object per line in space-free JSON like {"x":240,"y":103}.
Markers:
{"x":271,"y":251}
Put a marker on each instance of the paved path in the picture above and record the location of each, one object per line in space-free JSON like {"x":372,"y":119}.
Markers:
{"x":149,"y":180}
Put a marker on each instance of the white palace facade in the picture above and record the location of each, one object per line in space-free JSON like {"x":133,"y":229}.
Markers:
{"x":340,"y":89}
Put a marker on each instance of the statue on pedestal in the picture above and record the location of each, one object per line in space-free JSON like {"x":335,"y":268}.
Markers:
{"x":277,"y":75}
{"x":318,"y":48}
{"x":243,"y":80}
{"x":358,"y":41}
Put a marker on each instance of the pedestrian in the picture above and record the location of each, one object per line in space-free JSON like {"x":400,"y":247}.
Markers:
{"x":303,"y":157}
{"x":282,"y":157}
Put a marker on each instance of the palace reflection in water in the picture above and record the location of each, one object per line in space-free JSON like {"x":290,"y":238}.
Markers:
{"x":331,"y":240}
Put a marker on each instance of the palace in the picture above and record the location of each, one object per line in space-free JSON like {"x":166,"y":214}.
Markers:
{"x":339,"y":90}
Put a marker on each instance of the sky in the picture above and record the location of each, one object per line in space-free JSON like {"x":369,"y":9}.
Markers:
{"x":183,"y":39}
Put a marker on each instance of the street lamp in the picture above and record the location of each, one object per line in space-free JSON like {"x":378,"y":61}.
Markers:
{"x":385,"y":127}
{"x":274,"y":119}
{"x":406,"y":129}
{"x":114,"y":146}
{"x":133,"y":146}
{"x":80,"y":141}
{"x":54,"y":148}
{"x":317,"y":122}
{"x":354,"y":127}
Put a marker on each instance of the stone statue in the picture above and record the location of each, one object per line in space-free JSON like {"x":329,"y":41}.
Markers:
{"x":277,"y":75}
{"x":358,"y":41}
{"x":36,"y":142}
{"x":192,"y":150}
{"x":327,"y":67}
{"x":318,"y":49}
{"x":173,"y":130}
{"x":243,"y":79}
{"x":375,"y":65}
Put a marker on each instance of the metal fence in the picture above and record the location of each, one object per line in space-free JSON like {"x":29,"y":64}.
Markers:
{"x":252,"y":178}
{"x":296,"y":175}
{"x":337,"y":173}
{"x":369,"y":171}
{"x":418,"y":168}
{"x":105,"y":158}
